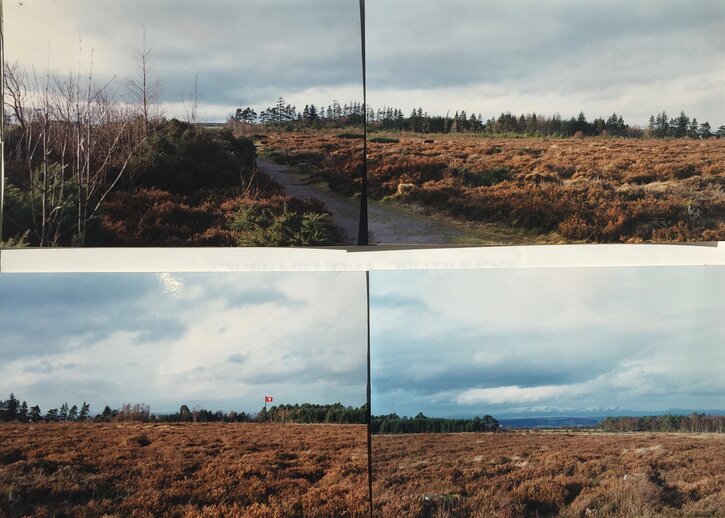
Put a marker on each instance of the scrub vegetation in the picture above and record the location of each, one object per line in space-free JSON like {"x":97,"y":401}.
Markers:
{"x":536,"y":474}
{"x":587,"y":189}
{"x":182,"y":469}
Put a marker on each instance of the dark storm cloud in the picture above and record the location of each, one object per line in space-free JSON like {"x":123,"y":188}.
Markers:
{"x":50,"y":308}
{"x":448,"y":361}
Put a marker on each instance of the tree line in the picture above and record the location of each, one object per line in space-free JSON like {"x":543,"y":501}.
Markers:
{"x":665,"y":423}
{"x":660,"y":126}
{"x":394,"y":424}
{"x":13,"y":409}
{"x":312,"y":413}
{"x":393,"y":119}
{"x":283,"y":114}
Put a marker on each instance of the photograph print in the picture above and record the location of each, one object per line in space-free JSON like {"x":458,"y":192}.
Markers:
{"x":548,"y":392}
{"x":171,"y":123}
{"x":172,"y":394}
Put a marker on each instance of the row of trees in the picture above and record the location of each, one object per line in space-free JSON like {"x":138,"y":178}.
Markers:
{"x":393,"y":119}
{"x":394,"y":424}
{"x":285,"y":114}
{"x":12,"y":409}
{"x":661,"y":126}
{"x":201,"y":415}
{"x":311,"y":413}
{"x":665,"y":423}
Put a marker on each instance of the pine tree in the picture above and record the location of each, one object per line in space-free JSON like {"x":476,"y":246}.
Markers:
{"x":63,"y":414}
{"x":85,"y":410}
{"x":280,"y":109}
{"x":692,"y":130}
{"x":34,"y":414}
{"x":107,"y":414}
{"x":681,"y":124}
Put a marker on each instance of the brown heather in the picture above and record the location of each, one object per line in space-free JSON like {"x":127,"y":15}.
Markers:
{"x":273,"y":470}
{"x":186,"y":470}
{"x":528,"y":474}
{"x":575,"y":190}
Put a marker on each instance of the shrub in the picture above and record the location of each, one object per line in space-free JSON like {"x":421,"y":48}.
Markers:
{"x":291,"y":223}
{"x":576,"y":228}
{"x":714,"y":234}
{"x":181,"y":158}
{"x":686,"y":172}
{"x":498,"y":175}
{"x":384,"y":140}
{"x":540,"y":496}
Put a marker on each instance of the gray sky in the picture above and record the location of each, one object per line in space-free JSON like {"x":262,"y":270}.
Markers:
{"x":504,"y":341}
{"x":635,"y":58}
{"x":245,"y":52}
{"x":221,"y":341}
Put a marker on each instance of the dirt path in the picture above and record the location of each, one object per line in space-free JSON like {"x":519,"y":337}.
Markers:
{"x":388,"y":223}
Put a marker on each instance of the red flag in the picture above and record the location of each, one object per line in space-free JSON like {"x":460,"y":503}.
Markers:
{"x":268,"y":399}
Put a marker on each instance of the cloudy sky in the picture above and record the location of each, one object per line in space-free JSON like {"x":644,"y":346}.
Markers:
{"x":499,"y":342}
{"x":221,"y":341}
{"x":246,"y":53}
{"x":635,"y":58}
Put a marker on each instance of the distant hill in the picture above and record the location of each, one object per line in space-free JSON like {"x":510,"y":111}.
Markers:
{"x":549,"y":422}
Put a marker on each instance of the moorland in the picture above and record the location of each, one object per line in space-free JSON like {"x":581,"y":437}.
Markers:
{"x":524,"y":189}
{"x":183,"y":469}
{"x":549,"y":473}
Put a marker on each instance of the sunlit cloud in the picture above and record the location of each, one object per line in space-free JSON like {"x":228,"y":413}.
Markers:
{"x":171,"y":285}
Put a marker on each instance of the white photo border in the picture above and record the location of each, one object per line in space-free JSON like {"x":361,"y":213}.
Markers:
{"x":356,"y":259}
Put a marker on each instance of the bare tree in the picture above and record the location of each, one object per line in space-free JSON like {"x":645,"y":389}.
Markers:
{"x":2,"y":121}
{"x":144,"y":88}
{"x":195,"y":106}
{"x":191,"y":105}
{"x":75,"y":143}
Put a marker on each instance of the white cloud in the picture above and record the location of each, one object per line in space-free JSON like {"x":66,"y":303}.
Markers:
{"x":516,"y":394}
{"x":171,"y":285}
